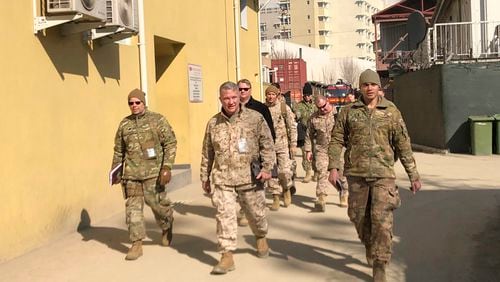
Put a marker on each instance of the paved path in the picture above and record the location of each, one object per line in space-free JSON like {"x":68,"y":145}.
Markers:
{"x":448,"y":232}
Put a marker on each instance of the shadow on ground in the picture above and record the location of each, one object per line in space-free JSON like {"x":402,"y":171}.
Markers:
{"x":283,"y":249}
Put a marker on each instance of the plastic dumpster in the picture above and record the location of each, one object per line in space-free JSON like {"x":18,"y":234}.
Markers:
{"x":496,"y":130}
{"x":481,"y":134}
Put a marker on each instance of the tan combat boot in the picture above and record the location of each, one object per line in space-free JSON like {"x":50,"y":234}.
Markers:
{"x":225,"y":264}
{"x":379,"y":271}
{"x":315,"y":177}
{"x":308,"y":177}
{"x":287,"y":198}
{"x":262,"y":247}
{"x":135,"y":251}
{"x":242,"y":221}
{"x":369,"y":255}
{"x":343,"y":199}
{"x":276,"y":203}
{"x":321,"y":203}
{"x":166,"y":236}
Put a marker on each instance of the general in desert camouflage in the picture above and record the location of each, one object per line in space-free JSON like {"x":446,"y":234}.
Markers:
{"x":237,"y":155}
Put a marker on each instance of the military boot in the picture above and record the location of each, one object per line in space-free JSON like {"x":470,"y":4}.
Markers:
{"x":369,"y":255}
{"x":242,"y":221}
{"x":276,"y":203}
{"x":315,"y":177}
{"x":321,"y":203}
{"x":135,"y":251}
{"x":343,"y":200}
{"x":287,"y":198}
{"x":262,"y":247}
{"x":379,"y":271}
{"x":225,"y":264}
{"x":166,"y":235}
{"x":308,"y":177}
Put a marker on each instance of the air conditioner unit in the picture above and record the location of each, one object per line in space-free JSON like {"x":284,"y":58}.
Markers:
{"x":94,"y":9}
{"x":123,"y":13}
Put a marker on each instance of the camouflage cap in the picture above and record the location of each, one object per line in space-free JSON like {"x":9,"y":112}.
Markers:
{"x":272,"y":89}
{"x":369,"y":76}
{"x":137,"y":93}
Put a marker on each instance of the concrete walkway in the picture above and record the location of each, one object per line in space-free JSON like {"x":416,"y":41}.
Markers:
{"x":448,"y":232}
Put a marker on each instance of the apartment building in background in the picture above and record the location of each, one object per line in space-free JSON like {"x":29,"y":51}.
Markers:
{"x":341,"y":27}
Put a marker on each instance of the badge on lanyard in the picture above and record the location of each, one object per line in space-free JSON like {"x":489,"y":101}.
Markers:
{"x":242,"y":145}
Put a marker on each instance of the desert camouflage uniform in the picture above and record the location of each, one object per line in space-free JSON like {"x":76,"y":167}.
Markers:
{"x":319,"y":132}
{"x":135,"y":135}
{"x":303,"y":112}
{"x":285,"y":138}
{"x":229,"y":147}
{"x":372,"y":138}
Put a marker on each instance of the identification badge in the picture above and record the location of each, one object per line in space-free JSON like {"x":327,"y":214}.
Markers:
{"x":150,"y":153}
{"x":242,"y":145}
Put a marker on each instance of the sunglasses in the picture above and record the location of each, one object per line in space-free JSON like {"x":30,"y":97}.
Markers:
{"x":244,"y":88}
{"x":134,"y":102}
{"x":322,"y":107}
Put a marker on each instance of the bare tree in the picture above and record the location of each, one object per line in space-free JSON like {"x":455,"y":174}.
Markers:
{"x":328,"y":75}
{"x":350,"y":70}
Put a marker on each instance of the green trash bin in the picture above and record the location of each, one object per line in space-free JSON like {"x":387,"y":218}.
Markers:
{"x":481,"y":134}
{"x":496,"y":130}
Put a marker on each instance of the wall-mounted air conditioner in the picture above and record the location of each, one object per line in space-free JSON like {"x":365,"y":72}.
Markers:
{"x":95,"y":9}
{"x":123,"y":13}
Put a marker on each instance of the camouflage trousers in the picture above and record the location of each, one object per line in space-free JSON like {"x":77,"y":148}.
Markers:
{"x":306,"y":164}
{"x":276,"y":186}
{"x":321,"y":164}
{"x":253,"y":203}
{"x":371,"y":205}
{"x":138,"y":192}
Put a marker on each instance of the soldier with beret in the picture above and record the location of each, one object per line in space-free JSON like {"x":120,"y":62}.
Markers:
{"x":145,"y":146}
{"x":237,"y":157}
{"x":373,"y":132}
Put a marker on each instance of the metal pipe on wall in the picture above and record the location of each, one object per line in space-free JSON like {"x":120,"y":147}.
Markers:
{"x":142,"y":51}
{"x":237,"y":36}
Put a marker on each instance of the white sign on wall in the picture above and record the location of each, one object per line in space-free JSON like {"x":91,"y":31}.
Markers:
{"x":195,"y":83}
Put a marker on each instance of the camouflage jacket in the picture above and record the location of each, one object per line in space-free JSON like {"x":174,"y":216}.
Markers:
{"x":144,"y":143}
{"x":372,"y":138}
{"x":284,"y":125}
{"x":303,"y":111}
{"x":319,"y":131}
{"x":232,"y":143}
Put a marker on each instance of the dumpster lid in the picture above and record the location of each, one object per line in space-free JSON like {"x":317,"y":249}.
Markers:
{"x":481,"y":118}
{"x":496,"y":116}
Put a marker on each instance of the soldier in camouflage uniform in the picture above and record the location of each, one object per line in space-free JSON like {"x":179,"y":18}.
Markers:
{"x":319,"y":132}
{"x":373,"y":132}
{"x":303,"y":111}
{"x":238,"y":154}
{"x":145,"y":145}
{"x":285,"y":144}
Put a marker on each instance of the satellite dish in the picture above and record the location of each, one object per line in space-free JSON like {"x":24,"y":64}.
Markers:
{"x":416,"y":28}
{"x":88,"y":4}
{"x":124,"y":10}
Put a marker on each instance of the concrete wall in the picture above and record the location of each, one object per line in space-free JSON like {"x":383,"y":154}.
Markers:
{"x":437,"y":102}
{"x":63,"y":100}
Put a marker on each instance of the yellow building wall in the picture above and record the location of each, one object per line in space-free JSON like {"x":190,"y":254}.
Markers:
{"x":63,"y":101}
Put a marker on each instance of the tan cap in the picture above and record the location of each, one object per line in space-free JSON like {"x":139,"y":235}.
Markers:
{"x":273,"y":89}
{"x":369,"y":76}
{"x":137,"y":93}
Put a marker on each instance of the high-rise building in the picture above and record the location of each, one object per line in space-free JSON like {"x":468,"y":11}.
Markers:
{"x":341,"y":27}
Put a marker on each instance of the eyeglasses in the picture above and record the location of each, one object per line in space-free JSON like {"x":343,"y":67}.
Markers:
{"x":134,"y":102}
{"x":323,"y":107}
{"x":244,"y":88}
